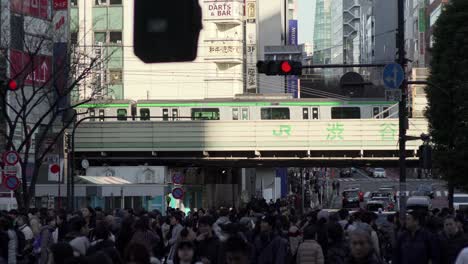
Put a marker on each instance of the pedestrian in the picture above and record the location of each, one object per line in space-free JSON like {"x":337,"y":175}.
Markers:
{"x":60,"y":253}
{"x":337,"y":188}
{"x":453,"y":240}
{"x":208,"y":246}
{"x":269,"y":246}
{"x":177,"y":228}
{"x":90,"y":217}
{"x":102,"y":241}
{"x":137,"y":253}
{"x":125,"y":234}
{"x":144,"y":235}
{"x":238,"y":251}
{"x":362,"y":251}
{"x":338,"y":250}
{"x":222,"y":220}
{"x":77,"y":237}
{"x":416,"y":245}
{"x":310,"y":252}
{"x":44,"y":240}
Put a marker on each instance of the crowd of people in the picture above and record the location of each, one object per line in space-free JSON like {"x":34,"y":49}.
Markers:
{"x":259,"y":233}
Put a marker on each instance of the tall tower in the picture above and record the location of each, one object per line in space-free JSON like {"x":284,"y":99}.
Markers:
{"x":322,"y":32}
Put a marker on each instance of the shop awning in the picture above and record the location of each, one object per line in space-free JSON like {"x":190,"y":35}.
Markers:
{"x":103,"y":180}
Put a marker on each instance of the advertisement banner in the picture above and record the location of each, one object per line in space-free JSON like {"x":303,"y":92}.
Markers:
{"x":60,"y":4}
{"x":60,"y":22}
{"x":292,"y":37}
{"x":38,"y":72}
{"x":35,"y":8}
{"x":251,"y":48}
{"x":292,"y":81}
{"x":251,"y":11}
{"x":228,"y":9}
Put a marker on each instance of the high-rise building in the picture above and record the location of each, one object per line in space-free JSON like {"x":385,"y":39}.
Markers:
{"x":322,"y":32}
{"x":345,"y":41}
{"x":105,"y":28}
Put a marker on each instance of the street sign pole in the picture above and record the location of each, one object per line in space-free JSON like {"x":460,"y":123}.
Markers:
{"x":402,"y":109}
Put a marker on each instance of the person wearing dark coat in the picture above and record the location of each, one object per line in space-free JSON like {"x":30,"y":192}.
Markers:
{"x":338,"y":250}
{"x":452,"y":241}
{"x":269,"y":247}
{"x":207,"y":245}
{"x":416,"y":245}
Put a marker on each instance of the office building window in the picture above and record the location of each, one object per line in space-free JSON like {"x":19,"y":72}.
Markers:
{"x":115,"y":2}
{"x":74,"y":2}
{"x":115,"y":37}
{"x":100,"y":37}
{"x":100,"y":2}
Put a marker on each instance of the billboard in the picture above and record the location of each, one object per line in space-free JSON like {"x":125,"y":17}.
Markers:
{"x":228,"y":9}
{"x":292,"y":81}
{"x":34,"y":8}
{"x":37,"y":72}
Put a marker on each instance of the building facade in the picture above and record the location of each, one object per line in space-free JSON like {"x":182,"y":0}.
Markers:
{"x":105,"y":28}
{"x":322,"y":32}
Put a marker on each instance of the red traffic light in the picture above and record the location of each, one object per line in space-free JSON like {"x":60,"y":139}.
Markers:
{"x":286,"y":67}
{"x":12,"y":85}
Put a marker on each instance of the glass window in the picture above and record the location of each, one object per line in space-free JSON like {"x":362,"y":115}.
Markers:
{"x":115,"y":37}
{"x":101,"y":115}
{"x":205,"y":113}
{"x":92,"y":114}
{"x":375,"y":111}
{"x":74,"y":18}
{"x":245,"y":114}
{"x":100,"y":37}
{"x":460,"y":199}
{"x":386,"y":112}
{"x":235,"y":114}
{"x":315,"y":113}
{"x":144,"y":114}
{"x":100,"y":2}
{"x":275,"y":113}
{"x":115,"y":2}
{"x":74,"y":2}
{"x":165,"y":113}
{"x":175,"y":113}
{"x":115,"y":56}
{"x":115,"y":18}
{"x":122,"y":114}
{"x":74,"y":38}
{"x":100,"y":18}
{"x":115,"y":76}
{"x":305,"y":113}
{"x":346,"y":112}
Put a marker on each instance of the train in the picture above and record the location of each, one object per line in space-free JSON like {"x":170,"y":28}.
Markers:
{"x":258,"y":107}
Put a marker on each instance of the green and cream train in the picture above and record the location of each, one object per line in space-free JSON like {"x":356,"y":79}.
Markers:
{"x":259,"y":107}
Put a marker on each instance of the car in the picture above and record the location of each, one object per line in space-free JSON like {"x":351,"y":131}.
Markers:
{"x":460,"y":201}
{"x":346,"y":173}
{"x":379,"y":173}
{"x":425,"y":190}
{"x":386,"y":198}
{"x":369,"y":171}
{"x":419,"y":203}
{"x":352,"y":198}
{"x":375,"y":205}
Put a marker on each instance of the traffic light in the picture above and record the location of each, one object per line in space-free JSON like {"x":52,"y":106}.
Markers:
{"x":164,"y":32}
{"x":285,"y":67}
{"x":425,"y":156}
{"x":10,"y":85}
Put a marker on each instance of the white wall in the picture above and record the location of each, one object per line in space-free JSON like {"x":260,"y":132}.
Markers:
{"x":133,"y":174}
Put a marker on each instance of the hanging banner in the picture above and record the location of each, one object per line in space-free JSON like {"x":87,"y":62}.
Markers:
{"x":251,"y":46}
{"x":292,"y":81}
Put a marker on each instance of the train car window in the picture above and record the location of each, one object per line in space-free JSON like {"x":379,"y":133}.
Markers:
{"x":205,"y":113}
{"x":235,"y":114}
{"x":275,"y":113}
{"x":305,"y":113}
{"x":346,"y":112}
{"x":144,"y":114}
{"x":165,"y":113}
{"x":101,"y":115}
{"x":92,"y":114}
{"x":375,"y":111}
{"x":122,"y":114}
{"x":315,"y":113}
{"x":175,"y":114}
{"x":386,"y":113}
{"x":245,"y":114}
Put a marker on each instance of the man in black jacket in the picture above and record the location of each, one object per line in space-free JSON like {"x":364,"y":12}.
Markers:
{"x":208,"y":246}
{"x":453,"y":240}
{"x":416,"y":245}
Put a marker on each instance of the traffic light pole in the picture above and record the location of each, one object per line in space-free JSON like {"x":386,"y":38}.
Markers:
{"x":402,"y":109}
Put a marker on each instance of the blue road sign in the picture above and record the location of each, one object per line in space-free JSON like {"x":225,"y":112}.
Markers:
{"x":178,"y":193}
{"x":11,"y":182}
{"x":393,"y":76}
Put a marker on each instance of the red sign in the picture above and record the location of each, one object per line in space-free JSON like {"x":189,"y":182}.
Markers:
{"x":54,"y":168}
{"x":35,"y":8}
{"x":178,"y":179}
{"x":60,"y":4}
{"x":38,"y":72}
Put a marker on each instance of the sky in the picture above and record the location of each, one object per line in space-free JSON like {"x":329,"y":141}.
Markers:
{"x":306,"y":15}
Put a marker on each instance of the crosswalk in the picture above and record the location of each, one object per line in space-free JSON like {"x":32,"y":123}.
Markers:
{"x":409,"y":193}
